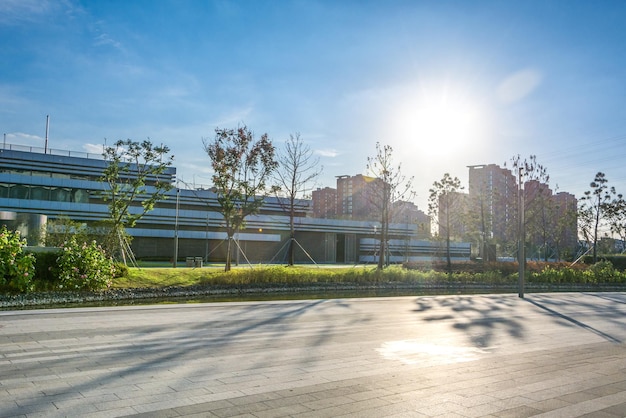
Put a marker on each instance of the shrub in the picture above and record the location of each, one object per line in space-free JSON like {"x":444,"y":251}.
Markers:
{"x":46,"y":277}
{"x":16,"y":267}
{"x":84,"y":267}
{"x":558,"y":275}
{"x":120,"y":270}
{"x":604,"y":272}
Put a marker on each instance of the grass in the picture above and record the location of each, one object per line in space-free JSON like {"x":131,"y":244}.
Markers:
{"x":159,"y":277}
{"x":306,"y":275}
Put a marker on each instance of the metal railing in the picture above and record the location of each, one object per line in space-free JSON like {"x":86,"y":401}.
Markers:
{"x":42,"y":150}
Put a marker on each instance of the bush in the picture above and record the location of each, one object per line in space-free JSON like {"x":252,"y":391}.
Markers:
{"x":604,"y":272}
{"x":16,"y":268}
{"x":84,"y":267}
{"x":46,"y":277}
{"x":558,"y":275}
{"x":120,"y":270}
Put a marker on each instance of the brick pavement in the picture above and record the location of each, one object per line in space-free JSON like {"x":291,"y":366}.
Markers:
{"x":549,"y":355}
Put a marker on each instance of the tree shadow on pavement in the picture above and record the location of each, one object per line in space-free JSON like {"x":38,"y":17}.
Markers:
{"x":556,"y":314}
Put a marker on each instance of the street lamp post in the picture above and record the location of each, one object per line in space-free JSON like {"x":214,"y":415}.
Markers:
{"x":175,"y":261}
{"x":522,"y":233}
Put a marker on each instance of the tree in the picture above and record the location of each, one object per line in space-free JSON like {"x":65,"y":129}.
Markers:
{"x":479,"y":220}
{"x":616,"y":214}
{"x":135,"y":172}
{"x":594,"y":207}
{"x":297,"y":168}
{"x":537,"y":204}
{"x":443,"y":202}
{"x":392,"y":186}
{"x":241,"y":169}
{"x":60,"y":230}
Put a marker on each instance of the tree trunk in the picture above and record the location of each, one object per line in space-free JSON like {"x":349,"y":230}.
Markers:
{"x":382,"y":249}
{"x":292,"y":231}
{"x":291,"y":249}
{"x":384,"y":225}
{"x":595,"y":234}
{"x":448,"y":258}
{"x":229,"y":250}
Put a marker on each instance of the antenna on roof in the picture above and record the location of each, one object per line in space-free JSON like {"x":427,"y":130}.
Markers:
{"x":45,"y":149}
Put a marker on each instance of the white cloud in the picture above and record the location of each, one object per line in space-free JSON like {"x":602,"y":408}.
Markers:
{"x":15,"y":12}
{"x":327,"y":152}
{"x":518,"y":85}
{"x":105,"y":40}
{"x":23,"y":137}
{"x":93,"y":148}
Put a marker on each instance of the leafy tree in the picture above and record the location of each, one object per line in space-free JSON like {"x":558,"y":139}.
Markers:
{"x":593,"y":209}
{"x":59,"y":231}
{"x":443,"y":205}
{"x":297,"y":168}
{"x":391,"y":186}
{"x":616,"y":214}
{"x":241,"y":170}
{"x":135,"y":172}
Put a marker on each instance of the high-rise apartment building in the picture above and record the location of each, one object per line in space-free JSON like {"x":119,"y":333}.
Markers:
{"x":493,"y":197}
{"x":550,"y":219}
{"x":325,"y":203}
{"x":358,"y":197}
{"x":566,"y":219}
{"x":452,"y":215}
{"x":408,"y":213}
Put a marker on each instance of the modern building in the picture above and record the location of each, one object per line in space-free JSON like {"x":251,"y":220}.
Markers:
{"x":44,"y":185}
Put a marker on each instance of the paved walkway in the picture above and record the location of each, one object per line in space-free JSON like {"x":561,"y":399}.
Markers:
{"x":549,"y":355}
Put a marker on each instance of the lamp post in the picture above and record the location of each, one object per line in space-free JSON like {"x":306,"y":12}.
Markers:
{"x":522,"y":233}
{"x":175,"y":261}
{"x":45,"y":148}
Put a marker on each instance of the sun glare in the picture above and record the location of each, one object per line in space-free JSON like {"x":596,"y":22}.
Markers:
{"x":439,"y":125}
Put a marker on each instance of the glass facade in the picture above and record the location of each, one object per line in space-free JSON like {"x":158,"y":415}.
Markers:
{"x":47,"y":193}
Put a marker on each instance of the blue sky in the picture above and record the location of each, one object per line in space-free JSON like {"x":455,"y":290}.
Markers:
{"x":446,"y":83}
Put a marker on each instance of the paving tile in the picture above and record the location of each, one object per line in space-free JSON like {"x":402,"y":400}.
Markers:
{"x":521,"y":411}
{"x":375,"y":357}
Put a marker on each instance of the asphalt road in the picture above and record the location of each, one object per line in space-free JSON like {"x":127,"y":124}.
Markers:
{"x":553,"y":355}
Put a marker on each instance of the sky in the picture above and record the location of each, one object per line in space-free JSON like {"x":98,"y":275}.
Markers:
{"x":446,"y":84}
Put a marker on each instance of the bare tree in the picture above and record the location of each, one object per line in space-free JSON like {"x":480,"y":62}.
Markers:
{"x":478,"y":219}
{"x":537,"y":200}
{"x":443,"y":205}
{"x":297,"y":168}
{"x":392,"y":186}
{"x":241,"y":169}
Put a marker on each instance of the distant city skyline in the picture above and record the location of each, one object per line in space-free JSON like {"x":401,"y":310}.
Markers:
{"x":447,"y":84}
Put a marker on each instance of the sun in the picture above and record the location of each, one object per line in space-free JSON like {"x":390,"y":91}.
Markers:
{"x":444,"y":127}
{"x":437,"y":125}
